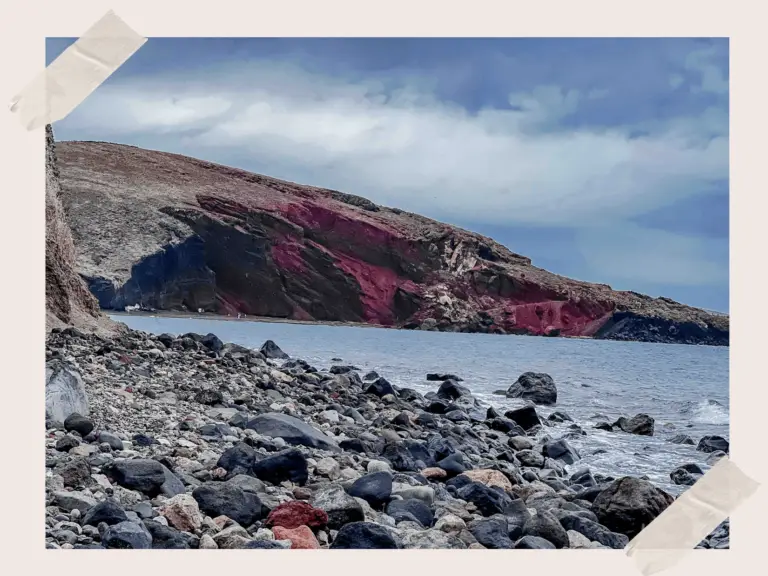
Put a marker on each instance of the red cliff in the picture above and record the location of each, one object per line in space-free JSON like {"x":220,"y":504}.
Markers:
{"x":172,"y":232}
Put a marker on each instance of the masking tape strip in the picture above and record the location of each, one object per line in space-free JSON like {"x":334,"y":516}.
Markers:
{"x":690,"y":518}
{"x":77,"y":72}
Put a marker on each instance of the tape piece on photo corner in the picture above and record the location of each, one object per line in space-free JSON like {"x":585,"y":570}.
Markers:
{"x":77,"y":72}
{"x":690,"y":518}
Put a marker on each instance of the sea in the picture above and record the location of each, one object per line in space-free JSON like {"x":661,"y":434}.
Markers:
{"x":684,"y":388}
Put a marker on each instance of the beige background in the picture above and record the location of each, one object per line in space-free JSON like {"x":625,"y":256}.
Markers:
{"x":24,"y":27}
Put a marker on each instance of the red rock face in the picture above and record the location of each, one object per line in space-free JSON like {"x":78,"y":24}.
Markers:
{"x":192,"y":234}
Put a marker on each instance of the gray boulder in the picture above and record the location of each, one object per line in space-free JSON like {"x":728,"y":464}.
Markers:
{"x":539,"y":388}
{"x":64,"y":391}
{"x":292,"y":430}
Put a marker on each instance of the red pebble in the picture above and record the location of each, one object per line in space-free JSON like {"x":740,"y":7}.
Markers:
{"x":295,"y":514}
{"x":301,"y":538}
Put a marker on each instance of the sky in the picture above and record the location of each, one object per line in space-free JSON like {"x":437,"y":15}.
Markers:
{"x":602,"y":159}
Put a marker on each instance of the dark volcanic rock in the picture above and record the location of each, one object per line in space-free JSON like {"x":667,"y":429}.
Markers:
{"x":545,"y":525}
{"x":380,"y":387}
{"x":341,"y":507}
{"x":682,"y":439}
{"x":451,"y":390}
{"x":713,"y":444}
{"x":526,"y":417}
{"x":534,"y":543}
{"x":80,"y":424}
{"x":127,"y":535}
{"x":212,"y":342}
{"x":537,"y":387}
{"x":109,"y":512}
{"x":167,"y":538}
{"x":641,"y":424}
{"x":435,"y":377}
{"x":288,"y":465}
{"x":292,"y":430}
{"x":238,"y":459}
{"x":561,"y":450}
{"x":209,"y":397}
{"x":594,"y":531}
{"x":487,"y":500}
{"x":411,"y":509}
{"x":363,"y":535}
{"x":141,"y":474}
{"x":629,"y":504}
{"x":493,"y":532}
{"x":375,"y":488}
{"x":273,"y":351}
{"x":217,"y":498}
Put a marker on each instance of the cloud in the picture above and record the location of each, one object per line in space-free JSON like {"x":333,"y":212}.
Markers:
{"x":704,"y":63}
{"x":394,"y":141}
{"x":629,"y":254}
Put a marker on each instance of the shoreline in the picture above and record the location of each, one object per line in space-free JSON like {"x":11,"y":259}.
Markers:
{"x":189,"y":442}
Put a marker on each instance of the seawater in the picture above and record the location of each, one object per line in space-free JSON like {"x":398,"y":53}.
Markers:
{"x":684,"y":388}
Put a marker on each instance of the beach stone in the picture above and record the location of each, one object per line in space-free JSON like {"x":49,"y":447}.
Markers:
{"x":434,"y":473}
{"x":69,"y":501}
{"x":593,"y":531}
{"x":294,"y":514}
{"x":519,"y":443}
{"x":108,"y":511}
{"x":144,"y":475}
{"x":292,"y":430}
{"x":114,"y":442}
{"x":682,"y":439}
{"x":76,"y":473}
{"x":578,"y":541}
{"x":167,"y":538}
{"x":487,"y":500}
{"x":629,"y":504}
{"x":340,"y":507}
{"x":268,"y":544}
{"x":239,"y":459}
{"x":380,"y":387}
{"x":378,"y":466}
{"x":534,"y":543}
{"x":376,"y":488}
{"x":561,"y":450}
{"x":530,"y":458}
{"x":232,"y":538}
{"x":450,"y":523}
{"x":451,"y":390}
{"x":490,"y":478}
{"x":363,"y":535}
{"x":222,"y":498}
{"x":411,"y":509}
{"x":431,"y":540}
{"x":77,"y":423}
{"x":64,"y":391}
{"x":539,"y":388}
{"x":127,"y":535}
{"x":67,"y":443}
{"x":713,"y":444}
{"x":300,"y":537}
{"x":545,"y":525}
{"x":207,"y":542}
{"x":288,"y":465}
{"x":182,"y":512}
{"x":424,"y":493}
{"x":271,"y":350}
{"x":714,"y":457}
{"x":641,"y":424}
{"x":493,"y":532}
{"x":526,"y":417}
{"x":682,"y":477}
{"x":329,"y":468}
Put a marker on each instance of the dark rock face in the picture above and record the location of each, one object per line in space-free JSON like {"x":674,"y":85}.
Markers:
{"x":217,"y":498}
{"x":629,"y":504}
{"x":536,"y":387}
{"x":641,"y":424}
{"x":364,"y":535}
{"x":232,"y":242}
{"x":292,"y":430}
{"x":713,"y":444}
{"x":289,"y":465}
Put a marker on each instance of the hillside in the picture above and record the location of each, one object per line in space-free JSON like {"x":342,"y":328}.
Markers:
{"x":174,"y":233}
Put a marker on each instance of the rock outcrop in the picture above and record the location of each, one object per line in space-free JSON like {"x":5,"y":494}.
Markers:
{"x":67,"y":299}
{"x":170,"y":232}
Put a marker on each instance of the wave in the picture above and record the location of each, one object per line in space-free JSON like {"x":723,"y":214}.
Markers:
{"x":706,"y":411}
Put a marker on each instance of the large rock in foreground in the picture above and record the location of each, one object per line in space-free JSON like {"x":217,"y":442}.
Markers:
{"x":629,"y":504}
{"x":64,"y":392}
{"x":292,"y":430}
{"x":539,"y":388}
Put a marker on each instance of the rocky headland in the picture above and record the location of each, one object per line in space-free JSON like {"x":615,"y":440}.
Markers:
{"x":184,"y":441}
{"x":168,"y":232}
